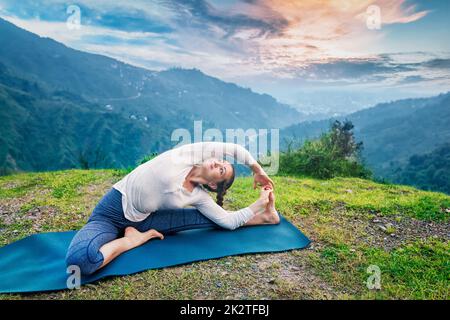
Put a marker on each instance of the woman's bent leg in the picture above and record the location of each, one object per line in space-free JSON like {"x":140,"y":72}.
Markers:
{"x":131,"y":239}
{"x":84,"y":250}
{"x":175,"y":220}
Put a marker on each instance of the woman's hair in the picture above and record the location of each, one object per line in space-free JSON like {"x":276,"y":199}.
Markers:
{"x":222,"y":187}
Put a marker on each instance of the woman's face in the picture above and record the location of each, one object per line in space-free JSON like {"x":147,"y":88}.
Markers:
{"x":215,"y":170}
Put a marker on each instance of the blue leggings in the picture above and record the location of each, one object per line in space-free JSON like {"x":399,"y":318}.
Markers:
{"x":108,"y":222}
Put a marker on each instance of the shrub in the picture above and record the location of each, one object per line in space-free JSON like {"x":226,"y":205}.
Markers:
{"x":335,"y":153}
{"x":147,"y":158}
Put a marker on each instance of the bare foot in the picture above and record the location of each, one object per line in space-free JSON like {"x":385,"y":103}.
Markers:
{"x":138,"y":238}
{"x":270,"y":213}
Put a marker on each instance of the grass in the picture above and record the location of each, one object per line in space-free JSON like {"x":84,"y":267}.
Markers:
{"x":336,"y":214}
{"x":419,"y":270}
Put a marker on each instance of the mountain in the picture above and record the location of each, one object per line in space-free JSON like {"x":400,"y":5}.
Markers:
{"x":391,"y":132}
{"x":44,"y":130}
{"x":136,"y":91}
{"x":63,"y":108}
{"x":430,"y":171}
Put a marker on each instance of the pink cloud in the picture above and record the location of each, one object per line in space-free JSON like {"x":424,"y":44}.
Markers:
{"x":319,"y":30}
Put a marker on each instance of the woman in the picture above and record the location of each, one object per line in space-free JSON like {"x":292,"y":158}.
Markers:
{"x":150,"y":201}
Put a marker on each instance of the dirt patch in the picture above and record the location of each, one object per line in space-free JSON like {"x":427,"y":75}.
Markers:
{"x":297,"y":277}
{"x":9,"y":210}
{"x":393,"y":231}
{"x":38,"y":215}
{"x":35,"y":218}
{"x":387,"y":232}
{"x":283,"y":275}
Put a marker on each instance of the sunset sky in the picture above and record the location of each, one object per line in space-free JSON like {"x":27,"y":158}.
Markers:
{"x":290,"y":49}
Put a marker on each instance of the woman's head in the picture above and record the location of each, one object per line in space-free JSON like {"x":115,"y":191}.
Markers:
{"x":220,"y":176}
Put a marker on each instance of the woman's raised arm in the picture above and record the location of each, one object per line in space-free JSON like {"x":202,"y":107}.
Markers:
{"x":201,"y":151}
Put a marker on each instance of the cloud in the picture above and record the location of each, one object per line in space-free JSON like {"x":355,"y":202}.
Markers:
{"x":335,"y":29}
{"x":285,"y":31}
{"x":412,"y":79}
{"x":133,"y":16}
{"x":397,"y":12}
{"x":60,"y":32}
{"x":305,"y":41}
{"x":438,"y":63}
{"x":387,"y":69}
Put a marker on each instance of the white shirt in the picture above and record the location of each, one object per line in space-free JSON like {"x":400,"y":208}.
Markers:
{"x":158,"y":184}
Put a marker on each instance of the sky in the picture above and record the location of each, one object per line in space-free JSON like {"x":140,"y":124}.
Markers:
{"x":318,"y":55}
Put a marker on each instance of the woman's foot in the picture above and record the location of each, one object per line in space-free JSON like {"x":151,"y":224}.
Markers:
{"x":270,"y":214}
{"x":260,"y":205}
{"x":137,"y":238}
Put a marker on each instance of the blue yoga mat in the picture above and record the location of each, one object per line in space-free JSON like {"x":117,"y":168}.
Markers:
{"x":36,"y":263}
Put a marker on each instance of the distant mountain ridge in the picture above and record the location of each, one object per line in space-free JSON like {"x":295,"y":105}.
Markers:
{"x":391,"y":132}
{"x":107,"y":81}
{"x":44,"y":130}
{"x":430,"y":171}
{"x":60,"y":104}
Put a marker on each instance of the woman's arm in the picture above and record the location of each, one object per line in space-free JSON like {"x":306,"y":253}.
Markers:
{"x":242,"y":155}
{"x":226,"y":219}
{"x":230,"y":219}
{"x":201,"y":151}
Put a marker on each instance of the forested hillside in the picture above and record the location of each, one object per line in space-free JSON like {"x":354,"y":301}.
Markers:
{"x":391,"y":132}
{"x":63,"y":108}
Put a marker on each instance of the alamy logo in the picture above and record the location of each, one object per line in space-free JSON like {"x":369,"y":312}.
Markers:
{"x":74,"y":280}
{"x":257,"y":141}
{"x":373,"y":21}
{"x":74,"y":20}
{"x":374,"y":280}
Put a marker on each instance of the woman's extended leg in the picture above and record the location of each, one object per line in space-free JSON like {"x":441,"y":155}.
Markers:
{"x":174,"y":220}
{"x":167,"y":221}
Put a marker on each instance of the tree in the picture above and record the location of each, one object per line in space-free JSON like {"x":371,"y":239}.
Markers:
{"x":343,"y":141}
{"x":335,"y":153}
{"x":90,"y":158}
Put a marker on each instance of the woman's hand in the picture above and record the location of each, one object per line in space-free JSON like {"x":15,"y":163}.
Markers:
{"x":262,"y":179}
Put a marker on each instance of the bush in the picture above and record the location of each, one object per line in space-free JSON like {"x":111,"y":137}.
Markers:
{"x":335,"y":153}
{"x":147,"y":158}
